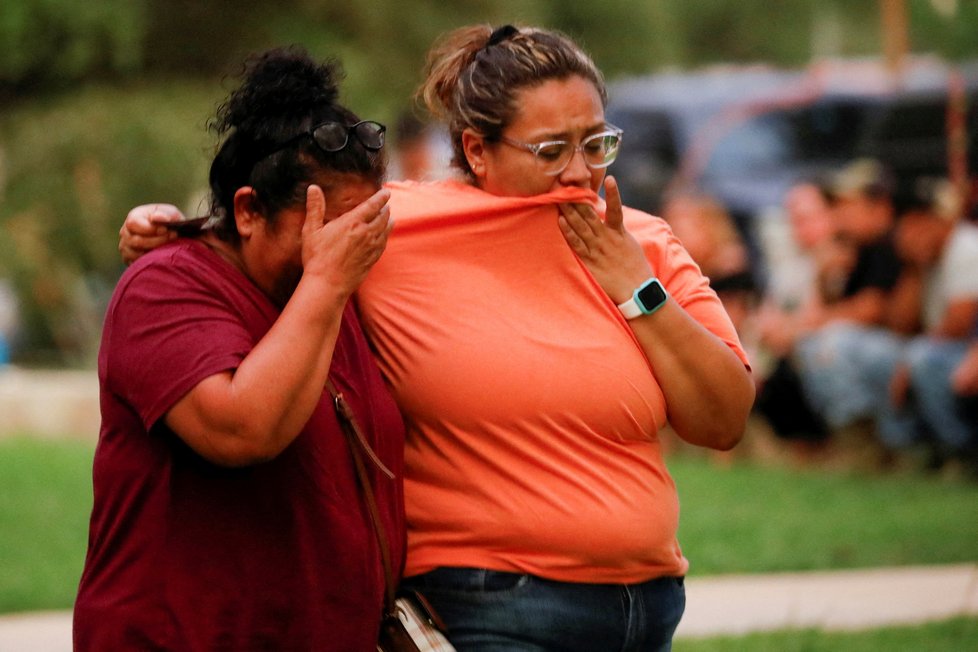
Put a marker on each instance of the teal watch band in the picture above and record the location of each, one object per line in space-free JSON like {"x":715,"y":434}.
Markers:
{"x":646,"y":299}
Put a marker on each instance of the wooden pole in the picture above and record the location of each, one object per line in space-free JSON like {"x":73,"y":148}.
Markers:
{"x":957,"y":137}
{"x":896,"y":35}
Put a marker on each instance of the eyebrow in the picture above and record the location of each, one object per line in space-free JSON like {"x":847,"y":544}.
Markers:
{"x":565,"y":135}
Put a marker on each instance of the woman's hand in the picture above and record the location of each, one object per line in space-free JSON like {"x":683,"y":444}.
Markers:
{"x":612,"y":255}
{"x":145,"y":229}
{"x":343,"y":249}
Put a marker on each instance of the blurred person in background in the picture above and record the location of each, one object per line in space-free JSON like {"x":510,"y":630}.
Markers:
{"x":227,"y":512}
{"x":964,"y":378}
{"x":9,"y":317}
{"x":842,"y":339}
{"x":709,"y":234}
{"x":805,"y":266}
{"x":935,"y":305}
{"x":420,"y":152}
{"x":537,"y":339}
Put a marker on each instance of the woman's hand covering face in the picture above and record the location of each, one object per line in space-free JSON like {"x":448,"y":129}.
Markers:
{"x":611,"y":254}
{"x":343,"y":239}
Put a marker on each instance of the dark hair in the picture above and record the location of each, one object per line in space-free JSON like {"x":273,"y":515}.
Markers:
{"x":283,"y":93}
{"x":474,"y":73}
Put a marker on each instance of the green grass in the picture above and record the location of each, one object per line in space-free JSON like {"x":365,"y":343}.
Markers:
{"x":956,"y":635}
{"x":748,"y":519}
{"x":45,"y":503}
{"x":738,"y":519}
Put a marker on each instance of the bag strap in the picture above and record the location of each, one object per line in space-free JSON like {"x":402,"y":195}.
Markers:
{"x":358,"y":443}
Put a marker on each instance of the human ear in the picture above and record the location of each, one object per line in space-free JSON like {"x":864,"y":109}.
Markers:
{"x":474,"y":147}
{"x":246,"y":210}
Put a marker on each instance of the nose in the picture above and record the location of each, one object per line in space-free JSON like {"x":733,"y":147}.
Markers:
{"x":577,"y":173}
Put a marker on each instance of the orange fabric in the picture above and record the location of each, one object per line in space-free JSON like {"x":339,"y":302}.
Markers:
{"x":531,"y":411}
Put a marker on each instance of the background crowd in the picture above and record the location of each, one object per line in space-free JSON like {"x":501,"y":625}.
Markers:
{"x":865,"y":321}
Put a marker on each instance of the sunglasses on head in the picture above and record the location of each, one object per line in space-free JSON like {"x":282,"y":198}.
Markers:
{"x":332,"y":136}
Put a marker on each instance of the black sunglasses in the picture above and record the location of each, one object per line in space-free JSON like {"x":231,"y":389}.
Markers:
{"x":333,"y":136}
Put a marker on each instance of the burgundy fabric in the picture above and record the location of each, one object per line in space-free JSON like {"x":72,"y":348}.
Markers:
{"x":187,"y":555}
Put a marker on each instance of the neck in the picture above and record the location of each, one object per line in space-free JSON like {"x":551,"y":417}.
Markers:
{"x":225,"y":250}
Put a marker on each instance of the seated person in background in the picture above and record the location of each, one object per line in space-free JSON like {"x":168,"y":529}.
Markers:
{"x":935,"y":304}
{"x":964,"y":384}
{"x":805,"y":265}
{"x":841,"y":340}
{"x":708,"y":233}
{"x":964,"y":379}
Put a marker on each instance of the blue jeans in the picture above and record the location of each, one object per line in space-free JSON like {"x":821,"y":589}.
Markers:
{"x":493,"y":611}
{"x":845,"y":370}
{"x":931,"y":362}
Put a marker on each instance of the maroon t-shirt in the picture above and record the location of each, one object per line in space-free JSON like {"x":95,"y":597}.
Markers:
{"x":187,"y":555}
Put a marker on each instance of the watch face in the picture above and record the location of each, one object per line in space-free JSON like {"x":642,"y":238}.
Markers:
{"x":651,"y":296}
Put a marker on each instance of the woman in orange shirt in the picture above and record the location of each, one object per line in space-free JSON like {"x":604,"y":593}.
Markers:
{"x":537,"y":339}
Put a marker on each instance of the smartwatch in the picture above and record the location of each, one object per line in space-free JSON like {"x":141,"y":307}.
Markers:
{"x":649,"y":297}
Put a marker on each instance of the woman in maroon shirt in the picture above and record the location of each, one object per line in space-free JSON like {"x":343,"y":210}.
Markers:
{"x":227,"y":513}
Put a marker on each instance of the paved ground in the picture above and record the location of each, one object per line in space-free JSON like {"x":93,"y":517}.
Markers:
{"x":845,"y":600}
{"x":49,"y":403}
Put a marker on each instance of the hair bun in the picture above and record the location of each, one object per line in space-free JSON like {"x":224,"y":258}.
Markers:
{"x":277,"y":82}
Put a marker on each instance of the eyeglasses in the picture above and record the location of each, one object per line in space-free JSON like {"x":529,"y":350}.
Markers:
{"x":599,"y":150}
{"x":334,"y":136}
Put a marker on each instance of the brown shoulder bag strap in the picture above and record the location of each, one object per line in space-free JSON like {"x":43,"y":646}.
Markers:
{"x":358,"y":444}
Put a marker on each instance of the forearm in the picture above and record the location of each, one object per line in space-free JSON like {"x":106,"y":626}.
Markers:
{"x":708,"y":390}
{"x":254,"y":413}
{"x":281,"y":381}
{"x":964,"y":379}
{"x":903,"y":313}
{"x":958,"y":320}
{"x":868,"y":307}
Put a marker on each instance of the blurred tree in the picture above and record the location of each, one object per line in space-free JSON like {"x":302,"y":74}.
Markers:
{"x":947,"y":27}
{"x":72,"y":168}
{"x":382,"y":43}
{"x":757,"y":30}
{"x":201,"y":39}
{"x":46,"y":43}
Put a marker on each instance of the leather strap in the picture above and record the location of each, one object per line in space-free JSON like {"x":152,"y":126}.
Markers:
{"x":359,"y":445}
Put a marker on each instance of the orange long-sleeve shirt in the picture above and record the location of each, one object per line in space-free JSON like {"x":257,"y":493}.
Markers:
{"x":532,"y":412}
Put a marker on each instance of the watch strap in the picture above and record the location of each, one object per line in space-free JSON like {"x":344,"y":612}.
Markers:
{"x":636,"y":307}
{"x":629,"y":309}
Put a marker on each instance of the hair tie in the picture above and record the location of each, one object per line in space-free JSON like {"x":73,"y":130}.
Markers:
{"x":501,"y":34}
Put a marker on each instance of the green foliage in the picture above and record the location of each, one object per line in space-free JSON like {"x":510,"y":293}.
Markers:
{"x":946,"y":27}
{"x":73,"y":166}
{"x":53,"y":42}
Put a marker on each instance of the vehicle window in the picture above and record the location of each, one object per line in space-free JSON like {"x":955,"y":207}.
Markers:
{"x":648,"y":158}
{"x":911,"y":136}
{"x":765,"y":141}
{"x":830,"y":131}
{"x":820,"y":133}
